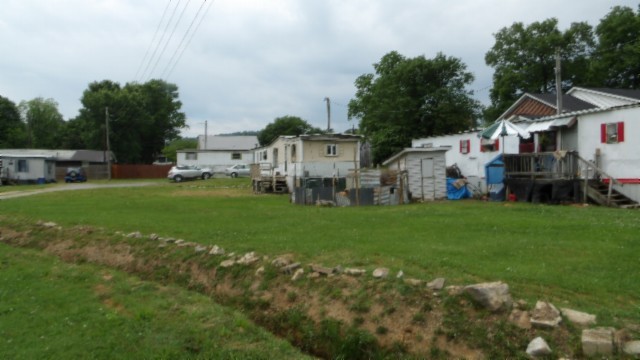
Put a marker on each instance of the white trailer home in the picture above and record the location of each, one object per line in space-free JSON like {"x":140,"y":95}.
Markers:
{"x":310,"y":156}
{"x":470,"y":153}
{"x":27,"y":169}
{"x":607,"y":138}
{"x":219,"y":152}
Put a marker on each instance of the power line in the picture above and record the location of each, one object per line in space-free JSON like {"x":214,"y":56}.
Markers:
{"x":142,"y":76}
{"x":190,"y":38}
{"x":164,"y":48}
{"x":164,"y":13}
{"x":169,"y":64}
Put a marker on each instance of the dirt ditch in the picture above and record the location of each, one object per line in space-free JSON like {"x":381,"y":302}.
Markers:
{"x":327,"y":316}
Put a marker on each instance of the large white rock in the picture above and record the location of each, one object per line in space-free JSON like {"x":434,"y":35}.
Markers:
{"x":632,"y":348}
{"x":380,"y":273}
{"x":436,"y":284}
{"x":538,"y":347}
{"x":545,"y":315}
{"x":598,"y":341}
{"x":494,"y":296}
{"x":578,"y":318}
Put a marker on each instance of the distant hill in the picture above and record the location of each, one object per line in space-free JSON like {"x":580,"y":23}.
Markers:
{"x":241,"y":133}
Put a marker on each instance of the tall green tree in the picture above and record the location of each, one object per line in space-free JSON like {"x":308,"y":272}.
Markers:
{"x":616,"y":61}
{"x":13,"y":132}
{"x":523,"y":58}
{"x":44,"y":123}
{"x":412,"y":97}
{"x":286,"y":125}
{"x":141,"y":118}
{"x":170,"y":151}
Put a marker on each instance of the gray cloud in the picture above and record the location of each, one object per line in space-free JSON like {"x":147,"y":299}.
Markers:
{"x":252,"y":61}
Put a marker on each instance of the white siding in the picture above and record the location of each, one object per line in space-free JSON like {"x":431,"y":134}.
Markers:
{"x":621,"y":160}
{"x":216,"y":160}
{"x":471,"y":164}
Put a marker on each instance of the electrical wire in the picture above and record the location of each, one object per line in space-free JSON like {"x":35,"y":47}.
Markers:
{"x":190,"y":38}
{"x":161,"y":40}
{"x":173,"y":31}
{"x":173,"y":56}
{"x":164,"y":13}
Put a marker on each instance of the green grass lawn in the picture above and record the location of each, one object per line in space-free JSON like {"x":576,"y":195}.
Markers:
{"x":581,"y":257}
{"x":50,"y":309}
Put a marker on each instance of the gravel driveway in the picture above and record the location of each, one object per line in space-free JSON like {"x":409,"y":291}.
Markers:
{"x":69,"y":187}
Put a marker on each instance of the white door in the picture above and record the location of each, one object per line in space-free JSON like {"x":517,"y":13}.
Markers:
{"x":428,"y":178}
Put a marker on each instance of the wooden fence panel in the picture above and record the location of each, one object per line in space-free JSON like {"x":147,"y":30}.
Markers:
{"x":135,"y":171}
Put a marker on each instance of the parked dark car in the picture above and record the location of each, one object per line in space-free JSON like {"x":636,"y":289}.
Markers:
{"x":75,"y":174}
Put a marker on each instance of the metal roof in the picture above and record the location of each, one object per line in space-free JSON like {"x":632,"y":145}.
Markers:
{"x":218,"y":142}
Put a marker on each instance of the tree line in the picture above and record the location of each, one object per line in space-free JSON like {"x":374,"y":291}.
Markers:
{"x":406,"y":98}
{"x":403,"y":98}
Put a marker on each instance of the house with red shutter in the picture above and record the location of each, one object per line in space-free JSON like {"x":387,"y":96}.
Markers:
{"x":589,"y":150}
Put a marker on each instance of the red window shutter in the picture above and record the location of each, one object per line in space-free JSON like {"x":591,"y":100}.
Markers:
{"x":496,"y":145}
{"x":603,"y":133}
{"x":620,"y":132}
{"x":468,"y":146}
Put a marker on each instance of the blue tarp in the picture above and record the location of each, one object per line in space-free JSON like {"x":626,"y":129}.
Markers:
{"x":453,"y":193}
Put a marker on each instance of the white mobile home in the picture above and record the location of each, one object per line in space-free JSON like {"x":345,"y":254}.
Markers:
{"x":310,"y":156}
{"x":219,"y":152}
{"x":470,"y":152}
{"x":26,"y":169}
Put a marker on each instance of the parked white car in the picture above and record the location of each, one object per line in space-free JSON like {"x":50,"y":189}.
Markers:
{"x":238,"y":170}
{"x":180,"y":173}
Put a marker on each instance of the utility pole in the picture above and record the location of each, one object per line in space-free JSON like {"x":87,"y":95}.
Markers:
{"x":558,"y":82}
{"x":205,"y":135}
{"x":328,"y":113}
{"x":106,"y":120}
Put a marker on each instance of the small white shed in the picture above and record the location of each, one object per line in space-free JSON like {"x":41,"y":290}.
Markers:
{"x":27,"y":169}
{"x":426,"y":169}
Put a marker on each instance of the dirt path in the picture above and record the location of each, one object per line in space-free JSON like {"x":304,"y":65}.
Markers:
{"x":69,"y":187}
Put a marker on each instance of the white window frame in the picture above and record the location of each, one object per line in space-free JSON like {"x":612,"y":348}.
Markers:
{"x":331,"y":150}
{"x":612,"y":133}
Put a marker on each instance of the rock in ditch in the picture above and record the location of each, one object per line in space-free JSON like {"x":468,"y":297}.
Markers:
{"x":538,"y":347}
{"x":216,"y":250}
{"x":545,"y":315}
{"x":436,"y":284}
{"x":578,"y":318}
{"x":297,"y":275}
{"x":380,"y":273}
{"x":493,"y":296}
{"x":598,"y":341}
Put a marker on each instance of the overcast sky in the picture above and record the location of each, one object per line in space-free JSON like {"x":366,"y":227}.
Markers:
{"x":250,"y":61}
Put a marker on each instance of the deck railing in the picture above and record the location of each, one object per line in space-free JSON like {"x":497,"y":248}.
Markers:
{"x":546,"y":165}
{"x":558,"y":165}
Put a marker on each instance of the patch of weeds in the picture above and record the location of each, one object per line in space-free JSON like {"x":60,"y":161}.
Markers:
{"x":197,"y":286}
{"x":358,"y":320}
{"x":435,"y":353}
{"x":389,"y":310}
{"x":426,"y":307}
{"x":292,"y":296}
{"x":359,"y":344}
{"x":381,"y":330}
{"x":398,"y":350}
{"x":419,"y":318}
{"x":361,"y":303}
{"x":504,"y":340}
